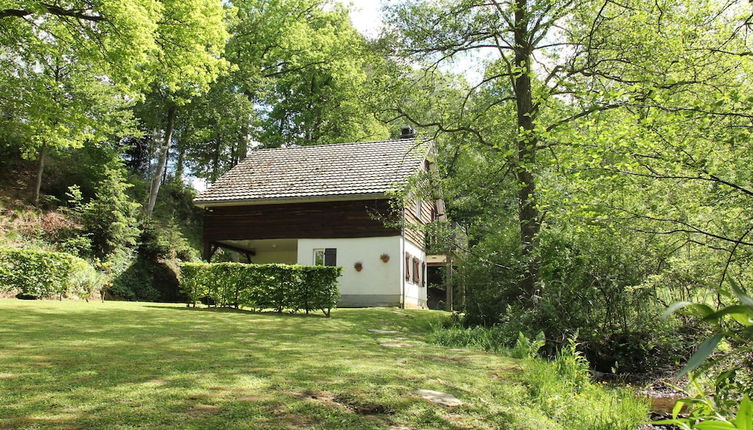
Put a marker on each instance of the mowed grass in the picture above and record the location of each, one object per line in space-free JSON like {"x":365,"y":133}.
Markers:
{"x":149,"y":365}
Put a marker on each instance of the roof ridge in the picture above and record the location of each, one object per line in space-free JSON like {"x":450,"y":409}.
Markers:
{"x":318,"y":145}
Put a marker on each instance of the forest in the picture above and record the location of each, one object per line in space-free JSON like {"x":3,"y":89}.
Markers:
{"x":597,"y":171}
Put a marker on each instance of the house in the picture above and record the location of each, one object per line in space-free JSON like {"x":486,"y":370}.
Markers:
{"x":333,"y":205}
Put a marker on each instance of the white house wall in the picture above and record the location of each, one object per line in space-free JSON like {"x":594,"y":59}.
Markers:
{"x":283,"y":256}
{"x":378,"y":283}
{"x":415,"y":294}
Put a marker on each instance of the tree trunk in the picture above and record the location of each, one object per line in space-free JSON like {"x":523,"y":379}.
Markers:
{"x":157,"y":178}
{"x":180,"y":163}
{"x":40,"y":171}
{"x":216,"y":158}
{"x":243,"y":144}
{"x":528,"y":213}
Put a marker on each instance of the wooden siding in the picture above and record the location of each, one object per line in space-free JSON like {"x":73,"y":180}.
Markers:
{"x":313,"y":220}
{"x":416,"y":236}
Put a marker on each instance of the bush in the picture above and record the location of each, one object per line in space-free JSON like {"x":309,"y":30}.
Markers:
{"x":262,"y":286}
{"x":44,"y":274}
{"x":110,"y":219}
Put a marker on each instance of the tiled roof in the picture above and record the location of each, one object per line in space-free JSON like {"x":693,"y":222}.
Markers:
{"x":336,"y":170}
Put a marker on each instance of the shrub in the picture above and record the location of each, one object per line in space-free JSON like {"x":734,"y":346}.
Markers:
{"x":44,"y":274}
{"x":110,"y":219}
{"x":262,"y":286}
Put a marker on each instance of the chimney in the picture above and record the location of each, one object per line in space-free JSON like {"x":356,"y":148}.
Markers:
{"x":407,"y":132}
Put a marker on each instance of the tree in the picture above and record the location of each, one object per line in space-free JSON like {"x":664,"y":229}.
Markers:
{"x":110,"y":218}
{"x":65,"y":68}
{"x":192,"y":34}
{"x":215,"y":132}
{"x":554,"y":66}
{"x":306,"y":69}
{"x":51,"y":103}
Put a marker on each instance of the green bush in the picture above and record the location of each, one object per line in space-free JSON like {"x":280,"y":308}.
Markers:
{"x":262,"y":286}
{"x":44,"y":274}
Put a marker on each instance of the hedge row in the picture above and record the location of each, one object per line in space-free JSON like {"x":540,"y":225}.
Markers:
{"x":44,"y":274}
{"x":262,"y":286}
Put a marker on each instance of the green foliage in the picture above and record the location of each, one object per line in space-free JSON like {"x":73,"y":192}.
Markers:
{"x":133,"y":279}
{"x":110,"y":218}
{"x":44,"y":274}
{"x":562,"y":390}
{"x":492,"y":339}
{"x":707,"y":414}
{"x":733,"y":324}
{"x":309,"y":69}
{"x":262,"y":286}
{"x":165,"y":242}
{"x":528,"y":348}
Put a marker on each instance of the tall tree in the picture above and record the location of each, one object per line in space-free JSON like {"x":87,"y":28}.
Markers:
{"x":82,"y":55}
{"x":555,"y":65}
{"x":192,"y":34}
{"x":306,"y":69}
{"x":51,"y":103}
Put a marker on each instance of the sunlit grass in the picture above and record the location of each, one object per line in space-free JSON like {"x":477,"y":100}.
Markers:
{"x":149,"y":365}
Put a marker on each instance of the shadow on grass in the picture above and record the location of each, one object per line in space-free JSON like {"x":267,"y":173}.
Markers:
{"x":242,"y":311}
{"x":132,"y":364}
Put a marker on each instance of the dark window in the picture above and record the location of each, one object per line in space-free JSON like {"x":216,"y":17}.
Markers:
{"x":330,"y":257}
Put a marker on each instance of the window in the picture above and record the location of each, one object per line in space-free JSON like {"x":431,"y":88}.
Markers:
{"x":325,"y":256}
{"x":319,"y":257}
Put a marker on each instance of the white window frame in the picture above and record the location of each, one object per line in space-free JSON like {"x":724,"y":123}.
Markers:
{"x":323,"y":257}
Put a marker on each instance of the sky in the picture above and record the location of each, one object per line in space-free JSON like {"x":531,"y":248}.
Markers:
{"x":366,"y":16}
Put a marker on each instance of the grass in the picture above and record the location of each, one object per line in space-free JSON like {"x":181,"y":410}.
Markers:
{"x":148,"y":365}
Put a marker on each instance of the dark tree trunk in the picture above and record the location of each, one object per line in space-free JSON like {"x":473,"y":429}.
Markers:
{"x":528,"y":213}
{"x":180,"y":164}
{"x":216,"y":158}
{"x":40,"y":172}
{"x":157,"y":178}
{"x":243,"y":144}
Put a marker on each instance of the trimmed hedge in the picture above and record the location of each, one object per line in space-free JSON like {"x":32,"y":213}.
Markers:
{"x":44,"y":274}
{"x":262,"y":286}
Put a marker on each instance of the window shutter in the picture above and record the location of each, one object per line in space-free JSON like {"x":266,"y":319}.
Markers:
{"x":416,"y":274}
{"x":423,"y":274}
{"x":407,"y":266}
{"x":330,"y":257}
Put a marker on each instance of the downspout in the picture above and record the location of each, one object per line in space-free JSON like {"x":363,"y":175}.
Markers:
{"x":402,"y":262}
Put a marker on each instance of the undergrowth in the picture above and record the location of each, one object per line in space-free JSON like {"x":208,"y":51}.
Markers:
{"x":562,"y":387}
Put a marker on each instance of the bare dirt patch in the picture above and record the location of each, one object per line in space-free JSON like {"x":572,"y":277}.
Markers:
{"x":393,"y":344}
{"x":439,"y":398}
{"x":379,"y":331}
{"x":200,"y":409}
{"x":444,"y":359}
{"x":343,"y":401}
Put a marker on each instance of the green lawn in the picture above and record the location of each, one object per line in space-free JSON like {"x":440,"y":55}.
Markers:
{"x":150,"y":365}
